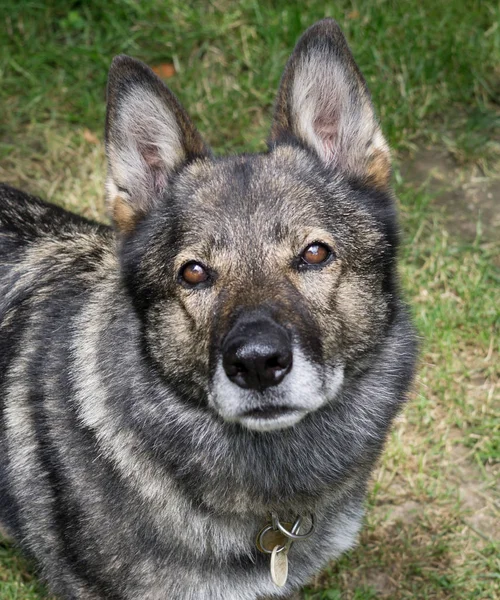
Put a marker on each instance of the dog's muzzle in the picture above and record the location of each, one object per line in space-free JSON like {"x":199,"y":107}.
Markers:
{"x":264,"y":380}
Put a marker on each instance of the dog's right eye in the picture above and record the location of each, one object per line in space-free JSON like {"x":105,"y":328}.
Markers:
{"x":316,"y":255}
{"x":194,"y":274}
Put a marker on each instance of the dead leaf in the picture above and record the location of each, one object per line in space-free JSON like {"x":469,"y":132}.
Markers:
{"x":354,"y":14}
{"x":90,"y":137}
{"x":164,"y":70}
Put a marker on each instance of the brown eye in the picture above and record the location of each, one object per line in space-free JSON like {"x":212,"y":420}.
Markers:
{"x":193,"y":274}
{"x":316,"y":254}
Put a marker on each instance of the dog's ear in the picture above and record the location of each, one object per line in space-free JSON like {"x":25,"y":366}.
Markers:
{"x":323,"y":101}
{"x":148,"y":138}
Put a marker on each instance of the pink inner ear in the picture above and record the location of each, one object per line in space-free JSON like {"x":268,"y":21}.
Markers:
{"x":326,"y":130}
{"x":151,"y":155}
{"x":156,"y":166}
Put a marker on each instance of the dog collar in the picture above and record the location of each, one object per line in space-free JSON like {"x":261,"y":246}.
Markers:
{"x":276,"y":538}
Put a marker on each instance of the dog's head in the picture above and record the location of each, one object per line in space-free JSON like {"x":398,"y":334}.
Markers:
{"x":260,"y":280}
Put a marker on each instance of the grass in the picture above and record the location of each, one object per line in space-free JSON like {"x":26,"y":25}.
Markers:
{"x":432,"y":525}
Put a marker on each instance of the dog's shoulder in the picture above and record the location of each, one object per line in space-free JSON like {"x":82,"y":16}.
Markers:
{"x":37,"y":238}
{"x":28,"y":218}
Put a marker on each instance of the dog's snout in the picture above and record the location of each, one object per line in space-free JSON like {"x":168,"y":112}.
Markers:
{"x":257,"y":354}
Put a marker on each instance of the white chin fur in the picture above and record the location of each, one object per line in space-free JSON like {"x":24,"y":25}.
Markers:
{"x":282,"y":422}
{"x":305,"y":389}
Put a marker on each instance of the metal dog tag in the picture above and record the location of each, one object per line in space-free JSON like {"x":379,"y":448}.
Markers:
{"x":276,"y":539}
{"x":279,"y":565}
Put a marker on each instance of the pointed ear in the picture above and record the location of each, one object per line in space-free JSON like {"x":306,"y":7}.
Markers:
{"x":323,"y":101}
{"x":148,"y":137}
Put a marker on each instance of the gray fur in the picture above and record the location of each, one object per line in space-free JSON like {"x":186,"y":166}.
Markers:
{"x":128,"y":468}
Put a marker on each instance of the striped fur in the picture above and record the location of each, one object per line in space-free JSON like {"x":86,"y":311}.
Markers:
{"x":125,"y":470}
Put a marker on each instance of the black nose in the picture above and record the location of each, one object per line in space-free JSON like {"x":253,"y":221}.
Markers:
{"x":257,"y":353}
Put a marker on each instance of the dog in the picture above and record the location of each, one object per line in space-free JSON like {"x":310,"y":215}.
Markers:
{"x":193,"y":399}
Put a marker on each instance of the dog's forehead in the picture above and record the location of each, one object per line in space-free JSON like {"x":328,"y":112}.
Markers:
{"x":273,"y":194}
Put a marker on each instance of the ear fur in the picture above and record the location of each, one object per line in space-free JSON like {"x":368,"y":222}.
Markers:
{"x":148,"y":137}
{"x":323,"y":101}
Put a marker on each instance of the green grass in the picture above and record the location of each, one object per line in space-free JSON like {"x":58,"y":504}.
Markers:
{"x":431,"y":66}
{"x":432,"y":524}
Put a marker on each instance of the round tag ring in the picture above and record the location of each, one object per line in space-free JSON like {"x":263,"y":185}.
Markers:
{"x":292,"y":534}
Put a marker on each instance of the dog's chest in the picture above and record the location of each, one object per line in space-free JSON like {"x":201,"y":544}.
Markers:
{"x":227,"y":563}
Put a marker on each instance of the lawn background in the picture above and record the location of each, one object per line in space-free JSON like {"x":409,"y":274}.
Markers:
{"x":434,"y":71}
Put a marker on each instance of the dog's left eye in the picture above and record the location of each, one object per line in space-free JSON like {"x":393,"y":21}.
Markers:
{"x":316,"y":255}
{"x":194,"y":274}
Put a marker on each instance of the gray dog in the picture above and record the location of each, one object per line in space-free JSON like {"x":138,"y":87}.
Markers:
{"x":192,"y":401}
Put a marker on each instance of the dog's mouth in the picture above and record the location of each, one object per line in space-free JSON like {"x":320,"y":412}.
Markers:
{"x":270,"y":417}
{"x":281,"y":406}
{"x":268,"y":412}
